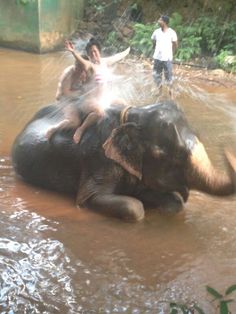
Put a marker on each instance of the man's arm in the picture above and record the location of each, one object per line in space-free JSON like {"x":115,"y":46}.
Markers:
{"x":174,"y":46}
{"x":84,"y":63}
{"x":153,"y":38}
{"x":174,"y":41}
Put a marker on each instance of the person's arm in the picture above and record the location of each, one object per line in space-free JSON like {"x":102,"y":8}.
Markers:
{"x":84,"y":63}
{"x":174,"y":39}
{"x":117,"y":57}
{"x":174,"y":46}
{"x":153,"y":38}
{"x":64,"y":84}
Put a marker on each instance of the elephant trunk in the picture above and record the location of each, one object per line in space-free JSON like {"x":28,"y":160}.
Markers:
{"x":204,"y":177}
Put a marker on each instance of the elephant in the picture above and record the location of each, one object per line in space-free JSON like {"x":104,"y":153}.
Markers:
{"x":133,"y":159}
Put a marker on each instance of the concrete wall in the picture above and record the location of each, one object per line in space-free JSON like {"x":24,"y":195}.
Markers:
{"x":38,"y":25}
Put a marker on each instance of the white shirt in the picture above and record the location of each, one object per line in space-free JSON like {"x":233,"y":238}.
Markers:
{"x":163,"y":49}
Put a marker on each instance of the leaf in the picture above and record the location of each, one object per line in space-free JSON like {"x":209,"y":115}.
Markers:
{"x":182,"y":307}
{"x":230,"y":289}
{"x":224,"y":307}
{"x":214,"y":293}
{"x":198,"y":309}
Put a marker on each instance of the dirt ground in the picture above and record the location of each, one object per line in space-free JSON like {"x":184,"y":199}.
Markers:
{"x":216,"y":77}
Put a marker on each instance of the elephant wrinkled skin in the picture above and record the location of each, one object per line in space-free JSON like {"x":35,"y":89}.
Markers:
{"x":151,"y":157}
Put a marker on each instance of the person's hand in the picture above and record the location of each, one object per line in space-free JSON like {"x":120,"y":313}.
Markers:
{"x":69,"y":46}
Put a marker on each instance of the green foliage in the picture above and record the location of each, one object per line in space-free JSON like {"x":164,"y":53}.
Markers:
{"x":176,"y":21}
{"x":185,"y":309}
{"x":226,"y":60}
{"x":189,"y":46}
{"x":228,"y":40}
{"x":100,"y":7}
{"x":211,"y":33}
{"x":141,"y":41}
{"x":222,"y":303}
{"x":189,"y":38}
{"x":216,"y":34}
{"x":207,"y":35}
{"x":230,"y":289}
{"x":24,"y":1}
{"x":111,"y":39}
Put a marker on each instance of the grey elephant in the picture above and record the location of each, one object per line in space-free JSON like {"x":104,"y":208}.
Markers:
{"x":134,"y":158}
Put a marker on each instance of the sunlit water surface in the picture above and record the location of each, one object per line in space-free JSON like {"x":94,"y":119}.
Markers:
{"x":55,"y":258}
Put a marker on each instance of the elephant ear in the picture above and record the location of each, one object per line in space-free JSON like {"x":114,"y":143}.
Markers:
{"x":125,"y":146}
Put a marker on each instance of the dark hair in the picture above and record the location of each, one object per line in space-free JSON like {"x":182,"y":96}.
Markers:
{"x":165,"y":18}
{"x":93,"y":42}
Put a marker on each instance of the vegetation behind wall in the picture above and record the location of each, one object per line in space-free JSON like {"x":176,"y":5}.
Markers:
{"x":206,"y":29}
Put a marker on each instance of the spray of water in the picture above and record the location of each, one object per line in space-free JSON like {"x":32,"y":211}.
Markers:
{"x":212,"y":100}
{"x":132,"y":80}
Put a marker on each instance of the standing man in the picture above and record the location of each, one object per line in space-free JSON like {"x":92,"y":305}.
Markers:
{"x":165,"y":43}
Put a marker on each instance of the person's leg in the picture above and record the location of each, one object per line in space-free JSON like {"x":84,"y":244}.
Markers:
{"x":119,"y":101}
{"x":157,"y":73}
{"x":168,"y":75}
{"x":94,"y":114}
{"x":71,"y":119}
{"x":89,"y":120}
{"x":61,"y":125}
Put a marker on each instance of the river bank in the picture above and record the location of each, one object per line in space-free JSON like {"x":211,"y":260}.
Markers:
{"x":198,"y":75}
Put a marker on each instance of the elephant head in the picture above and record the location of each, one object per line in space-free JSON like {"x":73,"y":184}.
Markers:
{"x":163,"y":152}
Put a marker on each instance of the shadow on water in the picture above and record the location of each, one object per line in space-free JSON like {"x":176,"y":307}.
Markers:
{"x":55,"y":258}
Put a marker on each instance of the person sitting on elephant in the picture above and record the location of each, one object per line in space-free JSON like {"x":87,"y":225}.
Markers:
{"x":72,"y":84}
{"x":95,"y":86}
{"x":97,"y":97}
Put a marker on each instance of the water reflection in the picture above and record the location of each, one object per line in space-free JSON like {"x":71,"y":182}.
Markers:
{"x":57,"y":259}
{"x":33,"y":266}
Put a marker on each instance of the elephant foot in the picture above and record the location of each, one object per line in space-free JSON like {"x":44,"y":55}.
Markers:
{"x":171,"y":203}
{"x":119,"y":206}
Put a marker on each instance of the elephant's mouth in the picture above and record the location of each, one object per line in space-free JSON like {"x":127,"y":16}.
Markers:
{"x":179,"y":189}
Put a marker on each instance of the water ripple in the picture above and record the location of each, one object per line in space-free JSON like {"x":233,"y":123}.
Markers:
{"x":35,"y":270}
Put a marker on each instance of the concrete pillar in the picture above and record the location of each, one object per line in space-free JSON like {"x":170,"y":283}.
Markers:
{"x":38,"y":25}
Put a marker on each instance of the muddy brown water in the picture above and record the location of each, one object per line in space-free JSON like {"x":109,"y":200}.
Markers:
{"x":55,"y":258}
